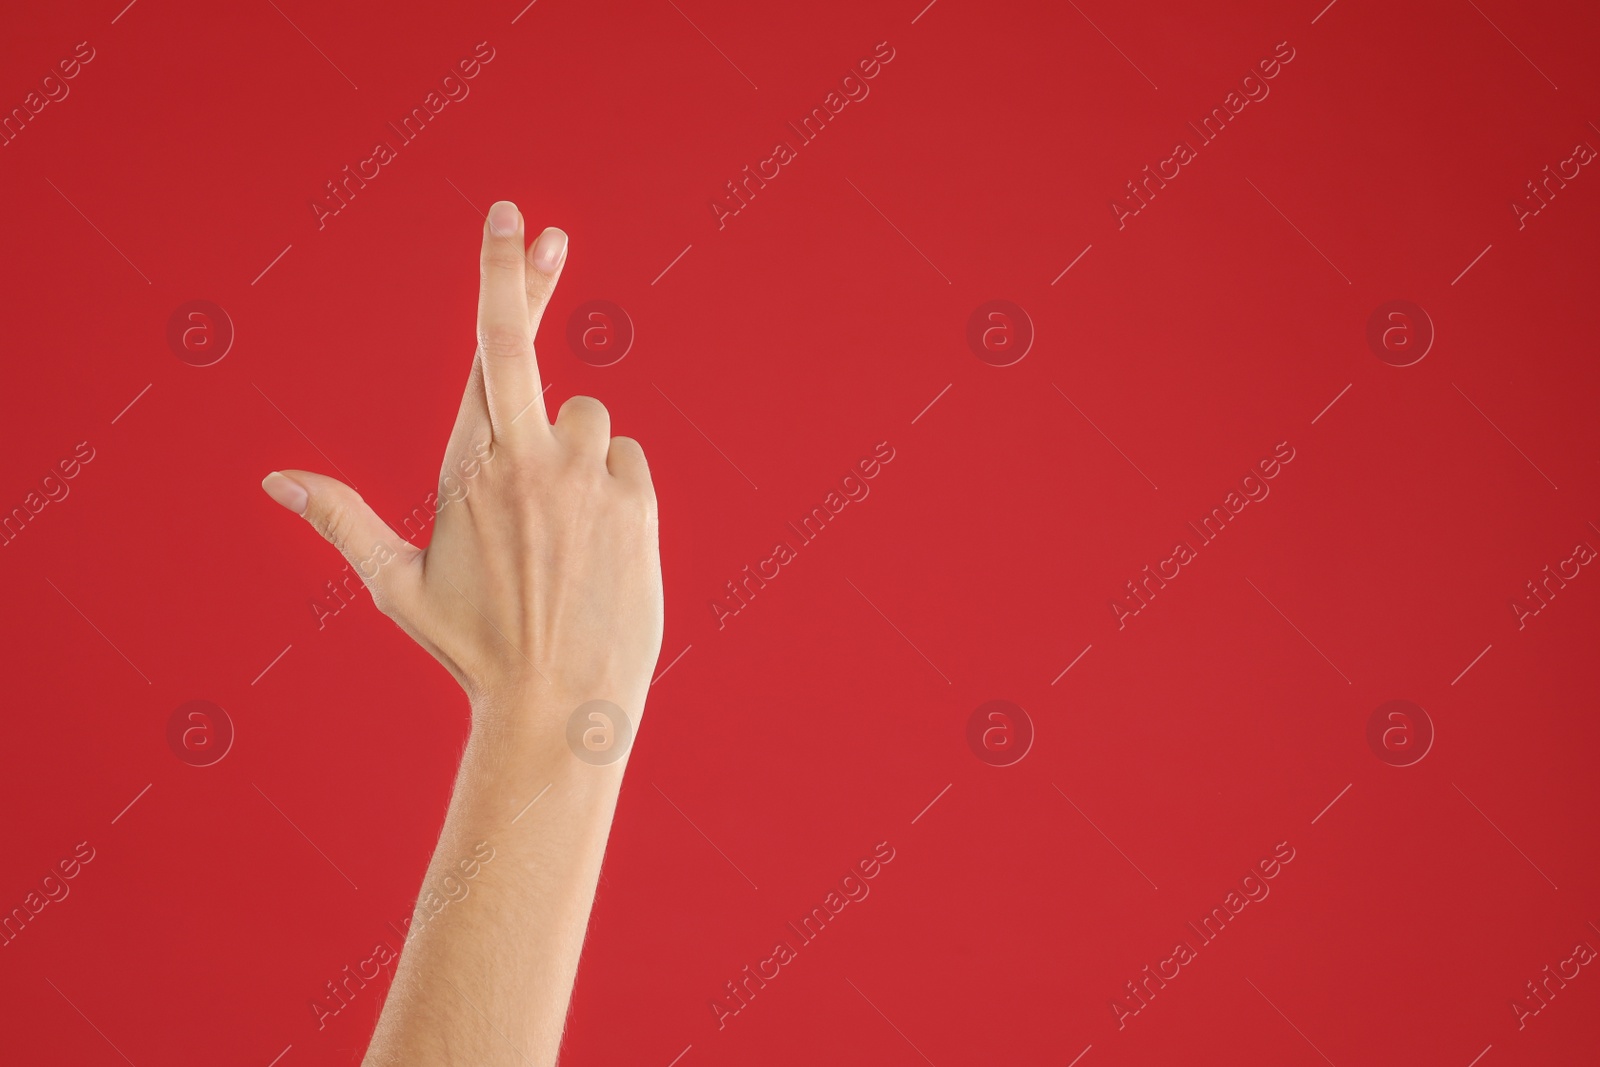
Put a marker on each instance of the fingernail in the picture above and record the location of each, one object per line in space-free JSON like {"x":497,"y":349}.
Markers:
{"x":550,"y":250}
{"x":286,"y":491}
{"x":504,"y":218}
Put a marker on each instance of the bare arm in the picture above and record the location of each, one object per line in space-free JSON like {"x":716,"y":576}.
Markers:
{"x":540,"y":591}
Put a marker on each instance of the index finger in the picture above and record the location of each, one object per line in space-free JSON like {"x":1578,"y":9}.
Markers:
{"x":505,"y":332}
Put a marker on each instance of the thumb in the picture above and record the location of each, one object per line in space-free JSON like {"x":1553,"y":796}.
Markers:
{"x":374,"y":551}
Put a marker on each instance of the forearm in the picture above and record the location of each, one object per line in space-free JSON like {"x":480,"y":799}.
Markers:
{"x":486,"y":976}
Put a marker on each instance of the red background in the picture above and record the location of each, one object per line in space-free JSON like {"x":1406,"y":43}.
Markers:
{"x":826,"y":715}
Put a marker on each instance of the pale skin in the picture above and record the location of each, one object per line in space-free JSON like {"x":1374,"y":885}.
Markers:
{"x":540,"y":591}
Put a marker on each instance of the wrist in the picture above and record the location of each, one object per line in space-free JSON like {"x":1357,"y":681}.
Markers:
{"x":554,"y":730}
{"x":527,"y":791}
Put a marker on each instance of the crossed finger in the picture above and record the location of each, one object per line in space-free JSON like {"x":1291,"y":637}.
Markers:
{"x":517,"y":282}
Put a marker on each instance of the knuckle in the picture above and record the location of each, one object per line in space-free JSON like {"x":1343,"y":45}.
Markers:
{"x":538,"y":285}
{"x":583,"y":407}
{"x":333,"y":522}
{"x":384,"y":573}
{"x":383,"y":598}
{"x":584,"y":482}
{"x":498,"y":258}
{"x":501,"y":341}
{"x":627,"y":458}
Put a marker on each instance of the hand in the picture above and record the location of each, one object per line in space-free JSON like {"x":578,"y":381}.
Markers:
{"x":541,"y":587}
